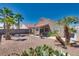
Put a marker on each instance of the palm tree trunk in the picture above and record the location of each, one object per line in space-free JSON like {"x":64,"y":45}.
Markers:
{"x":66,"y":34}
{"x":4,"y":22}
{"x":61,"y":41}
{"x":7,"y":36}
{"x":4,"y":25}
{"x":18,"y":24}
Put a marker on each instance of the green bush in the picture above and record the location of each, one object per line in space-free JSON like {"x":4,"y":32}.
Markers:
{"x":54,"y":33}
{"x":43,"y":51}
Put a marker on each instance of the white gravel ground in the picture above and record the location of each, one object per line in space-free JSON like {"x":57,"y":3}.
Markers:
{"x":12,"y":46}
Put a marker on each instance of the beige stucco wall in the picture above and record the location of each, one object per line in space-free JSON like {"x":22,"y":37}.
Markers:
{"x":53,"y":26}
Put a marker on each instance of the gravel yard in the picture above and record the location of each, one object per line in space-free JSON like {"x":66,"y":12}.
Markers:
{"x":9,"y":47}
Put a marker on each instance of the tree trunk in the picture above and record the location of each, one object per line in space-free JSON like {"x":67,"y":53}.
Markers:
{"x":61,"y":41}
{"x":7,"y":35}
{"x":4,"y":25}
{"x":66,"y":34}
{"x":18,"y":24}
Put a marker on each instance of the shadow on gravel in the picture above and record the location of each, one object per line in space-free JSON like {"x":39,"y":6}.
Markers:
{"x":20,"y":39}
{"x":59,"y":45}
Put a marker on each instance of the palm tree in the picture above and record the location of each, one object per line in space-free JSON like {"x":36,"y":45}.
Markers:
{"x":4,"y":12}
{"x":9,"y":22}
{"x":6,"y":16}
{"x":66,"y":21}
{"x":18,"y":18}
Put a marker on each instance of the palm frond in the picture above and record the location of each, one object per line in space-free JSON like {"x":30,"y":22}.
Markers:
{"x":68,"y":20}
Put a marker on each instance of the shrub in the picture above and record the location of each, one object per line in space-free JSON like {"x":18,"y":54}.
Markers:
{"x":43,"y":50}
{"x":54,"y":33}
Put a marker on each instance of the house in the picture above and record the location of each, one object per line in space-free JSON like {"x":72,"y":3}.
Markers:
{"x":31,"y":28}
{"x":44,"y":26}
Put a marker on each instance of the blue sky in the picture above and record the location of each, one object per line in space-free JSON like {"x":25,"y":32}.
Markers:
{"x":33,"y":12}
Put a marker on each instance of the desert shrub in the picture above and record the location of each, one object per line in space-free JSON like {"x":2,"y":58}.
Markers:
{"x":53,"y":33}
{"x":43,"y":50}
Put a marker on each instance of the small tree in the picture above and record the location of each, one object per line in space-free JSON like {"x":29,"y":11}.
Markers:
{"x":9,"y":22}
{"x":6,"y":16}
{"x":4,"y":12}
{"x":66,"y":21}
{"x":19,"y":19}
